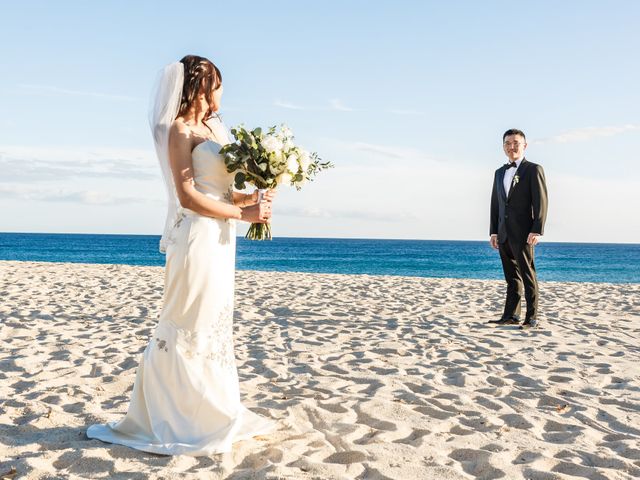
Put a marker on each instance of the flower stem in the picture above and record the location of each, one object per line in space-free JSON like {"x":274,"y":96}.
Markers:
{"x":259,"y":231}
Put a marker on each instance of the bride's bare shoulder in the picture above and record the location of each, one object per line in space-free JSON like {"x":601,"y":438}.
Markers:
{"x":180,"y":132}
{"x":179,"y":126}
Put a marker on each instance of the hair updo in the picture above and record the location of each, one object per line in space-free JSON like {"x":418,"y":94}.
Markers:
{"x":200,"y":76}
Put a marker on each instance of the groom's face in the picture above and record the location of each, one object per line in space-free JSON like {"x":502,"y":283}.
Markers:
{"x":514,"y":146}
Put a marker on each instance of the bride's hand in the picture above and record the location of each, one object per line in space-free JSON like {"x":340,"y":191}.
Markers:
{"x":252,"y":198}
{"x":269,"y":195}
{"x":258,"y":213}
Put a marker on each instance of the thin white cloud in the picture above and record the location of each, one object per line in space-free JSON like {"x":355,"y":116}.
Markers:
{"x":315,"y":212}
{"x":20,"y":163}
{"x":334,"y":105}
{"x":389,"y":151}
{"x":383,"y":150}
{"x":406,"y":112}
{"x":51,"y":90}
{"x":587,"y":133}
{"x":86,"y":197}
{"x":337,"y":105}
{"x":285,"y":104}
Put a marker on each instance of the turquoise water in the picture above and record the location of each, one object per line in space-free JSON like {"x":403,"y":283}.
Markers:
{"x":577,"y":262}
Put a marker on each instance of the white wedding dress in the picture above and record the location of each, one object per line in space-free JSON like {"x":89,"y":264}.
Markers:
{"x":186,"y":396}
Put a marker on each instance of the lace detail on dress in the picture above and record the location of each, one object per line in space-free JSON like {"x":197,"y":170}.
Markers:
{"x":225,"y":230}
{"x":162,"y":344}
{"x":214,"y":343}
{"x":228,"y":195}
{"x":180,"y":216}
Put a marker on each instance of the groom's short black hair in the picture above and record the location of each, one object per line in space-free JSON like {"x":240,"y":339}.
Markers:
{"x":513,"y":131}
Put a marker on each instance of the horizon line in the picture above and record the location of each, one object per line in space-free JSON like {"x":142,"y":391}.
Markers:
{"x":325,"y":238}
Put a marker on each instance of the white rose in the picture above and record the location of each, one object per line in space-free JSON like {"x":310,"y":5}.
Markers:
{"x":284,"y":178}
{"x":292,"y":163}
{"x":305,"y":160}
{"x":274,"y":169}
{"x":279,"y":157}
{"x":271,"y":144}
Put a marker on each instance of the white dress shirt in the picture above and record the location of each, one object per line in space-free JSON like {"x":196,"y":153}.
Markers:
{"x":509,"y":174}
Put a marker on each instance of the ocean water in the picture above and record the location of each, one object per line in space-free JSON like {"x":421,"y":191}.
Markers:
{"x":576,"y":262}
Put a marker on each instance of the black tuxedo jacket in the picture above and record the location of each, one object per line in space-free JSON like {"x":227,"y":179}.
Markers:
{"x":523,"y":209}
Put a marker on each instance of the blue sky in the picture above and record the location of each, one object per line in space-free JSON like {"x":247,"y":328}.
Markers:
{"x":408,"y":99}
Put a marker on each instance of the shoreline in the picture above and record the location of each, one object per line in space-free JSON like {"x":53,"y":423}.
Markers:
{"x":155,"y":235}
{"x":500,"y":280}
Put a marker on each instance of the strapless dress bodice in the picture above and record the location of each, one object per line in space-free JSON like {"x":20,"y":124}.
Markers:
{"x":210,"y":172}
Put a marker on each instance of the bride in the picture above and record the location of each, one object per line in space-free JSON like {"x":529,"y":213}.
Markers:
{"x":186,"y":396}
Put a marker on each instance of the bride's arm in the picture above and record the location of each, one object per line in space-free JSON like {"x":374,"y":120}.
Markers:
{"x":189,"y":197}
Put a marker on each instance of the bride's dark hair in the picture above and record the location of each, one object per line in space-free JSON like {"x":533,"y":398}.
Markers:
{"x":200,"y":76}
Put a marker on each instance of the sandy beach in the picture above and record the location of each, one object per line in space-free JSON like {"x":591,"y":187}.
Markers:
{"x":369,"y":377}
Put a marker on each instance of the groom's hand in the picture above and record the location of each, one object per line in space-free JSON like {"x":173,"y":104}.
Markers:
{"x":493,"y":241}
{"x":532,"y":239}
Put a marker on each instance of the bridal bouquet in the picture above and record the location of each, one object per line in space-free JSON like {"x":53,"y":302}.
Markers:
{"x":266,"y":161}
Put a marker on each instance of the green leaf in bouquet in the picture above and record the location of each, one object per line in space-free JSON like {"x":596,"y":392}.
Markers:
{"x":276,"y":168}
{"x":239,"y":180}
{"x":257,"y":132}
{"x":325,"y":165}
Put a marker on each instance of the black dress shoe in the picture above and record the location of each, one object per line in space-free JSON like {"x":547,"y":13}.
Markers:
{"x":530,"y":323}
{"x":506,"y":321}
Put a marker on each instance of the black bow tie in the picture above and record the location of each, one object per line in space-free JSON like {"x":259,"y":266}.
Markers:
{"x":511,"y":164}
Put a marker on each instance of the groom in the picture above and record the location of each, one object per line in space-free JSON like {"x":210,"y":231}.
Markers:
{"x":518,"y":214}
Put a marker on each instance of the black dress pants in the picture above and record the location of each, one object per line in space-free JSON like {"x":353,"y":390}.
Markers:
{"x":519,"y":270}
